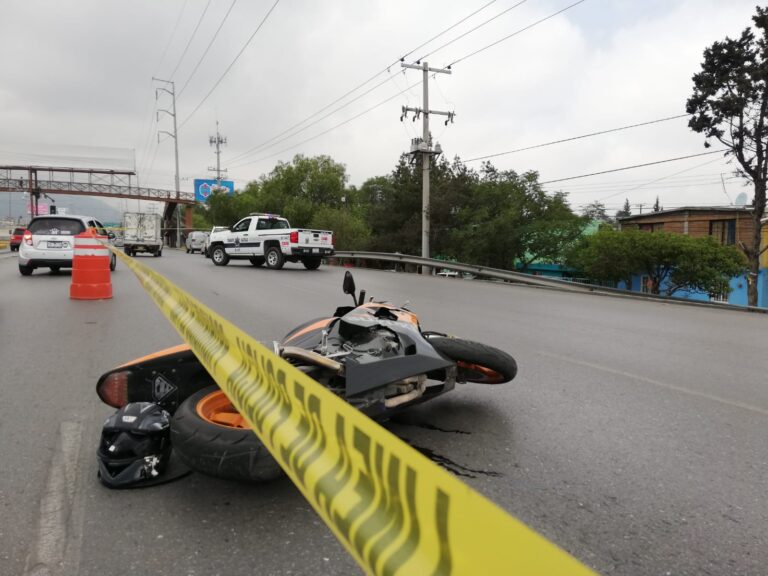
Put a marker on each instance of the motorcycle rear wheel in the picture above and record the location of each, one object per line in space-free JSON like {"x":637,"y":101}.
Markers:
{"x":476,"y":362}
{"x":211,"y":437}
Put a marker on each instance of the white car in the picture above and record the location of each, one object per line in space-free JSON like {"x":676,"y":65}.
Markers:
{"x":49,"y":242}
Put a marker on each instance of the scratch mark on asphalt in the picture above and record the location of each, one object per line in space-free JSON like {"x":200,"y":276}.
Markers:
{"x":451,"y":465}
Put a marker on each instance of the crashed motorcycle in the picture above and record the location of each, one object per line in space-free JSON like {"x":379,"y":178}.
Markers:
{"x":374,"y":355}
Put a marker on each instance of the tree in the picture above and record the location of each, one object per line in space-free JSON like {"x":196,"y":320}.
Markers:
{"x":656,"y":206}
{"x":605,"y":256}
{"x":672,"y":262}
{"x":596,"y":211}
{"x":350,"y":231}
{"x":225,"y":209}
{"x":297,"y":189}
{"x":507,"y":220}
{"x":394,"y":210}
{"x":730,"y":104}
{"x":200,"y":218}
{"x":625,"y":211}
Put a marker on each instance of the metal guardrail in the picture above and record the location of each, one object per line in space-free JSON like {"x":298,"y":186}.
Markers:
{"x":540,"y":281}
{"x":518,"y":277}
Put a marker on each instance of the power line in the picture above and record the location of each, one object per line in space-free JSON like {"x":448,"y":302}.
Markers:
{"x":215,"y":34}
{"x":662,"y":178}
{"x":620,"y":128}
{"x":645,"y":184}
{"x":184,"y":53}
{"x":632,"y":182}
{"x":331,"y":113}
{"x":147,"y":138}
{"x":514,"y":33}
{"x":271,"y":140}
{"x":231,"y":64}
{"x":376,"y":75}
{"x":471,"y":30}
{"x":634,"y":166}
{"x":173,"y":35}
{"x":340,"y":124}
{"x":483,"y":7}
{"x":655,"y":186}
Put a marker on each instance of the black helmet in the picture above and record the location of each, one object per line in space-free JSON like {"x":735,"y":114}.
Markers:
{"x":135,"y":445}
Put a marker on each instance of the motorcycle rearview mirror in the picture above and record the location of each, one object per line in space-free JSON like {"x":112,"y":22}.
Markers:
{"x":349,"y":285}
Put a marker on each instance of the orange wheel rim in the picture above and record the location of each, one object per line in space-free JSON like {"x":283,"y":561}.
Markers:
{"x":217,"y":409}
{"x":487,"y":375}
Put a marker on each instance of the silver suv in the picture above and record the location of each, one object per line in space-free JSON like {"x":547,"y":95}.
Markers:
{"x":196,"y":241}
{"x":207,"y":243}
{"x":49,"y":242}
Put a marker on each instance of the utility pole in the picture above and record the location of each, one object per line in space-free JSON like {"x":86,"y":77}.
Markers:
{"x":217,"y":141}
{"x":172,"y":92}
{"x":424,"y":145}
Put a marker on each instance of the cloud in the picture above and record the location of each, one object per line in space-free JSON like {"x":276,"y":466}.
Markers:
{"x":594,"y":67}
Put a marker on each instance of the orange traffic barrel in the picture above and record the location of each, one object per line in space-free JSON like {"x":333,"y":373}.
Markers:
{"x":91,"y":278}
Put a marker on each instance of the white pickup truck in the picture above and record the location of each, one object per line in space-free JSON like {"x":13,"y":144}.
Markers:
{"x":268,"y":238}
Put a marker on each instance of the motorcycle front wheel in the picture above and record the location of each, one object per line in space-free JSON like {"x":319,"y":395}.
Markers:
{"x":211,"y":437}
{"x":476,"y":362}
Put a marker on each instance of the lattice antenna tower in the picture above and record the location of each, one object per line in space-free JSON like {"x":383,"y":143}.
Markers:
{"x":217,"y":142}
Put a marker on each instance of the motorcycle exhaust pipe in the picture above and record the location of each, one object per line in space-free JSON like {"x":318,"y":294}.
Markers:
{"x":408,"y":396}
{"x":312,"y":357}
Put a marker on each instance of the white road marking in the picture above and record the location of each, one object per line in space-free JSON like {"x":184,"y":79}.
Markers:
{"x":668,"y":386}
{"x":56,"y":504}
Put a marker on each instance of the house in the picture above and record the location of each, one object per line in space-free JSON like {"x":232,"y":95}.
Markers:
{"x":729,"y":225}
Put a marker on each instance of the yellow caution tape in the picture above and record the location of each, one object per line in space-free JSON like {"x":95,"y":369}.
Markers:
{"x":394,"y":510}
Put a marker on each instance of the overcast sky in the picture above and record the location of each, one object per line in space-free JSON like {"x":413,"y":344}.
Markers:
{"x":76,"y":87}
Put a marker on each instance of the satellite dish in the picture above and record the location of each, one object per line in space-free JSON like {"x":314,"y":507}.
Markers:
{"x":741,"y":199}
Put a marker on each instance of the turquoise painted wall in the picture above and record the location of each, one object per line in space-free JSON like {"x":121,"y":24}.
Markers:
{"x":738,"y":295}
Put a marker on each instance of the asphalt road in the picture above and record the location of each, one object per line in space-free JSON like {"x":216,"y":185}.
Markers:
{"x":634,"y":435}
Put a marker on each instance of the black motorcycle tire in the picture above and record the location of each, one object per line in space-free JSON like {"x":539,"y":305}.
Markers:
{"x":476,"y":362}
{"x":218,"y":450}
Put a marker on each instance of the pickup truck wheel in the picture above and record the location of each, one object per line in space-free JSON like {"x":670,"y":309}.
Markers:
{"x":257,"y":260}
{"x":275,"y":258}
{"x":219,"y":257}
{"x":311,"y":262}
